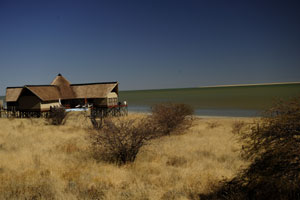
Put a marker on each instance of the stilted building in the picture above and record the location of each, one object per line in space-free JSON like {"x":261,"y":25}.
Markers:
{"x":39,"y":98}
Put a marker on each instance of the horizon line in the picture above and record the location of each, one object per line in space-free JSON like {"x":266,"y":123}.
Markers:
{"x":250,"y":84}
{"x":215,"y":86}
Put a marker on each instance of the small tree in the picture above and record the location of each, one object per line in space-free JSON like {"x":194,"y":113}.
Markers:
{"x":57,"y":115}
{"x":170,"y":117}
{"x":120,"y":140}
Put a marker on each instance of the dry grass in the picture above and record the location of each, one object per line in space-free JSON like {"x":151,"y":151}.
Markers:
{"x":272,"y":146}
{"x":40,"y":161}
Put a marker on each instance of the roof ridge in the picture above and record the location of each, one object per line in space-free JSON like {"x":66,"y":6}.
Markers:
{"x":113,"y":82}
{"x":40,"y":93}
{"x":14,"y":87}
{"x":40,"y":86}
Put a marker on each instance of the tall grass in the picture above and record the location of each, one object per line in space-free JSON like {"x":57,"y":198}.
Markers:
{"x":41,"y":161}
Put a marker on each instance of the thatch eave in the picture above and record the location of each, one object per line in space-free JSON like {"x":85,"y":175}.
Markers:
{"x":13,"y":93}
{"x":45,"y":92}
{"x":94,"y":90}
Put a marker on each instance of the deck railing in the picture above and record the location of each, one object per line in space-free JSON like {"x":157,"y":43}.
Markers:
{"x":95,"y":112}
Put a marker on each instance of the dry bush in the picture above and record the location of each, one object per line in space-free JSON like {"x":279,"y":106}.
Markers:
{"x":170,"y":117}
{"x":119,"y":140}
{"x":97,"y":123}
{"x":273,"y":148}
{"x":238,"y":126}
{"x":57,"y":116}
{"x":211,"y":125}
{"x":176,"y":161}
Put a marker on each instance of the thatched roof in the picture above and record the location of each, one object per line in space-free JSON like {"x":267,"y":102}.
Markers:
{"x":13,"y":93}
{"x":60,"y":80}
{"x":45,"y":92}
{"x":93,"y":90}
{"x":61,"y":88}
{"x":63,"y":85}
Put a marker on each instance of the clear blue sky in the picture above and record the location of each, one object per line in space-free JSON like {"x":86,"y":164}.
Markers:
{"x":147,"y":44}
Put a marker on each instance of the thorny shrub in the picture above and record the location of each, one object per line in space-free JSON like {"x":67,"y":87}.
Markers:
{"x":119,"y":140}
{"x":212,"y":125}
{"x":171,"y":117}
{"x":238,"y":126}
{"x":57,"y":115}
{"x":272,"y":146}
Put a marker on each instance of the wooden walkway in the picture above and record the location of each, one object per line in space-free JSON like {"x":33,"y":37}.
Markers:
{"x":113,"y":111}
{"x":96,"y":112}
{"x":23,"y":114}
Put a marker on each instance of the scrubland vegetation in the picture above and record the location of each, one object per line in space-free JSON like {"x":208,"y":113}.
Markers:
{"x":272,"y":147}
{"x":210,"y":158}
{"x":119,"y":140}
{"x":42,"y":161}
{"x":57,"y":116}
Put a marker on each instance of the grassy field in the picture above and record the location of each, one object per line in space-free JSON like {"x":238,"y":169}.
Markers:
{"x":40,"y":161}
{"x":252,"y":97}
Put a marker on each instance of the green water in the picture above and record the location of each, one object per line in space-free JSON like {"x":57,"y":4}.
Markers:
{"x":253,"y":98}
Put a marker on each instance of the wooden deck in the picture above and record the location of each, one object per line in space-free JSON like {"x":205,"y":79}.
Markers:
{"x":96,"y":112}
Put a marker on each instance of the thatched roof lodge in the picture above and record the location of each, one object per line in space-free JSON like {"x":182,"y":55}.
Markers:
{"x":61,"y":92}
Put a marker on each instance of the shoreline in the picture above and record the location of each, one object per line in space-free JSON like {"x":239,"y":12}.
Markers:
{"x":245,"y":85}
{"x":210,"y":112}
{"x":201,"y":116}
